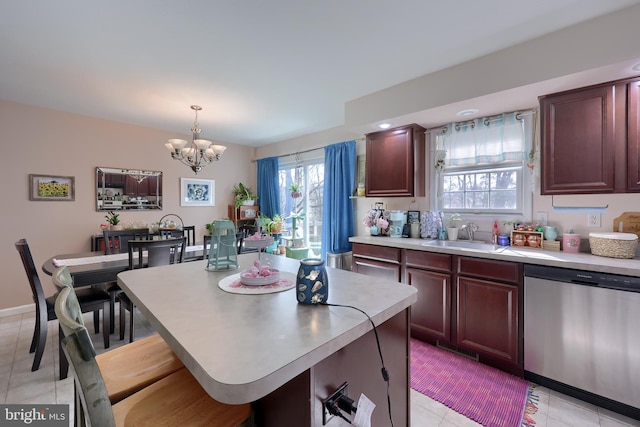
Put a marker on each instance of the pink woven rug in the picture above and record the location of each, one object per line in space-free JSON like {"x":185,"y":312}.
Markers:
{"x":486,"y":395}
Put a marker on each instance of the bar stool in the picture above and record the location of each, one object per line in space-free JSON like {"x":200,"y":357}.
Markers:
{"x":223,"y":253}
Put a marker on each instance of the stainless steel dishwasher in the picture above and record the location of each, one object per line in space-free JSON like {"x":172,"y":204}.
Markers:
{"x":582,"y":335}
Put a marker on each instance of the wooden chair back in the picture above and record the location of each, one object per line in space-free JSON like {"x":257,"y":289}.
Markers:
{"x":159,"y":252}
{"x":32,"y":274}
{"x":115,"y":241}
{"x":80,"y":353}
{"x":188,"y":231}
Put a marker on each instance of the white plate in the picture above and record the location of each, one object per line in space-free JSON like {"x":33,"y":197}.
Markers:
{"x":260,"y":281}
{"x":258,"y":243}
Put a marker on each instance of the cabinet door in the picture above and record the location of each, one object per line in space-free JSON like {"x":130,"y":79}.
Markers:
{"x":130,"y":186}
{"x":143,"y":188}
{"x":633,"y":117}
{"x":431,"y":314}
{"x":395,"y":162}
{"x":487,"y":318}
{"x":154,"y":185}
{"x":385,"y":270}
{"x":578,"y":145}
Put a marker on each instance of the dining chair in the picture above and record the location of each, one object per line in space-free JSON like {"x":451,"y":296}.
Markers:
{"x":158,"y":252}
{"x":177,"y":399}
{"x":115,"y":242}
{"x":91,"y":300}
{"x":131,"y":367}
{"x":188,"y":231}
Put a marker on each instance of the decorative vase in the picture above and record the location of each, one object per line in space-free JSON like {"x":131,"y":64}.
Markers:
{"x":312,"y":284}
{"x":550,"y":233}
{"x":248,"y":202}
{"x":374,"y":231}
{"x":452,"y":233}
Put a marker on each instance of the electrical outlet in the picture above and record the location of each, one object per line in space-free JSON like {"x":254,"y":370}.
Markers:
{"x":593,"y":220}
{"x":541,"y":217}
{"x":331,"y":400}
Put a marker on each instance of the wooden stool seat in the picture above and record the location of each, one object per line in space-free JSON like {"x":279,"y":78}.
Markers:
{"x":177,"y":400}
{"x":134,"y":366}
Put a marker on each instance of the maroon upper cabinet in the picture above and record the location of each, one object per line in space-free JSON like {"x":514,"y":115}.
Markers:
{"x":578,"y":141}
{"x":588,"y":143}
{"x":395,"y":164}
{"x":633,"y":136}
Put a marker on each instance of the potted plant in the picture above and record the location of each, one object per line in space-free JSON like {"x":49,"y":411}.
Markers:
{"x":244,"y":195}
{"x":452,"y":230}
{"x":294,"y":189}
{"x":113,"y":219}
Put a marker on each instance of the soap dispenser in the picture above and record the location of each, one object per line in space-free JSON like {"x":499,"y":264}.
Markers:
{"x":495,"y":232}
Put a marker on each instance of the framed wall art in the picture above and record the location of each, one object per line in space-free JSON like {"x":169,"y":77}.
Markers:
{"x":413,"y":216}
{"x":197,"y":192}
{"x":52,"y":188}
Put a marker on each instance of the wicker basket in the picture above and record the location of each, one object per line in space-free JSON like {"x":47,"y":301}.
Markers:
{"x":613,"y":245}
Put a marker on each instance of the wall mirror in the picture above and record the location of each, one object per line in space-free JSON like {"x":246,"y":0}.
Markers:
{"x":128,"y":189}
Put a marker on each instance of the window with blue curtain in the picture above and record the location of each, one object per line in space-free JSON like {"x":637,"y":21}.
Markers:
{"x":339,"y":184}
{"x":268,"y":194}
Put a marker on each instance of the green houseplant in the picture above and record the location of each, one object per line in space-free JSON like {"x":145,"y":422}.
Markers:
{"x":295,"y":192}
{"x":113,"y":219}
{"x":243,"y":194}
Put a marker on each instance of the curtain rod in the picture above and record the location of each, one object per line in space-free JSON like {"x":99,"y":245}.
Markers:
{"x":303,"y":151}
{"x":486,"y":119}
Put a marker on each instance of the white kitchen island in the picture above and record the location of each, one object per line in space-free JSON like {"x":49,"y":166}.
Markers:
{"x":282,"y":356}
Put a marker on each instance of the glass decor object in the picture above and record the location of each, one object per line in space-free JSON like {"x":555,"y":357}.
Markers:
{"x":312,"y":284}
{"x":223,"y":254}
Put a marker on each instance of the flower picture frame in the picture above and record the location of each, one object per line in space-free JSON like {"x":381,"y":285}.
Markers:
{"x":197,"y":192}
{"x":52,"y":188}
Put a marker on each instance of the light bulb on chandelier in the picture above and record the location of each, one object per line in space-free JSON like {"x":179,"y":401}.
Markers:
{"x":199,"y":153}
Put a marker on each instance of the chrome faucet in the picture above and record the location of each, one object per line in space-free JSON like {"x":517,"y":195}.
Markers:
{"x":470,"y":228}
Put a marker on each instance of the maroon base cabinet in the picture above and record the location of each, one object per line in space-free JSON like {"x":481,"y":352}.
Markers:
{"x":379,"y":261}
{"x":472,"y":304}
{"x":489,"y":312}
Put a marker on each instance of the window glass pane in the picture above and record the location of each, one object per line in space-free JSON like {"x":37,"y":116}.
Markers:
{"x":488,"y":190}
{"x":309,"y":176}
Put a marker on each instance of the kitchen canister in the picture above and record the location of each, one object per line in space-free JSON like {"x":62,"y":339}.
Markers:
{"x":312,"y":284}
{"x":571,"y":242}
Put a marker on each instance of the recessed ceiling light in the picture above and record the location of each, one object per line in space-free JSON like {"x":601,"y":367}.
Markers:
{"x":636,"y":67}
{"x":384,"y":125}
{"x":467,"y":112}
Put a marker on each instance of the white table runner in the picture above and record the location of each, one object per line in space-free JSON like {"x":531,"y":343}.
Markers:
{"x":106,"y":258}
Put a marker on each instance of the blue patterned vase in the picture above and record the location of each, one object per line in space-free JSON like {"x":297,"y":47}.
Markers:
{"x":312,"y":284}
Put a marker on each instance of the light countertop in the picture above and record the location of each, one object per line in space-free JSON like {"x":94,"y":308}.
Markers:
{"x":242,"y":347}
{"x":578,"y":261}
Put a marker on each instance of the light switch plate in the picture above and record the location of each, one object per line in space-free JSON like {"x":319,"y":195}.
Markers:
{"x":541,"y":217}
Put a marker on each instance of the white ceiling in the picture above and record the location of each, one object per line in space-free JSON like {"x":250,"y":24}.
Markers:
{"x":262,"y":71}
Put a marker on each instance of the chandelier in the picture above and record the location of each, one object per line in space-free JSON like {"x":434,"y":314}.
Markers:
{"x":199,"y":153}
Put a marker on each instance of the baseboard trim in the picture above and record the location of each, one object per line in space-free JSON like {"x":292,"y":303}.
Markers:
{"x":21,"y":309}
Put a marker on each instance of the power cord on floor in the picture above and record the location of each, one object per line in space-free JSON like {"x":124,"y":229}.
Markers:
{"x":385,"y":373}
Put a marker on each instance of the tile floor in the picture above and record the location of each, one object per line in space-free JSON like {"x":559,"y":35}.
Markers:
{"x":19,"y":385}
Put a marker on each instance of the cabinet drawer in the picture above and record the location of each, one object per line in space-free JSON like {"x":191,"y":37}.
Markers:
{"x":377,"y":252}
{"x":428,"y":260}
{"x":504,"y":271}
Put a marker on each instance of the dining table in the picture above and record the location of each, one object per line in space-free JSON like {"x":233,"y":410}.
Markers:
{"x":258,"y":345}
{"x":93,"y":268}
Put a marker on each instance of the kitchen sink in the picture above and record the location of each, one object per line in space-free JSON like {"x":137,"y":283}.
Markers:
{"x":473,"y":245}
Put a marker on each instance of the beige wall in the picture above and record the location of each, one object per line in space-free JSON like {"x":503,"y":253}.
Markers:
{"x":41,"y":141}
